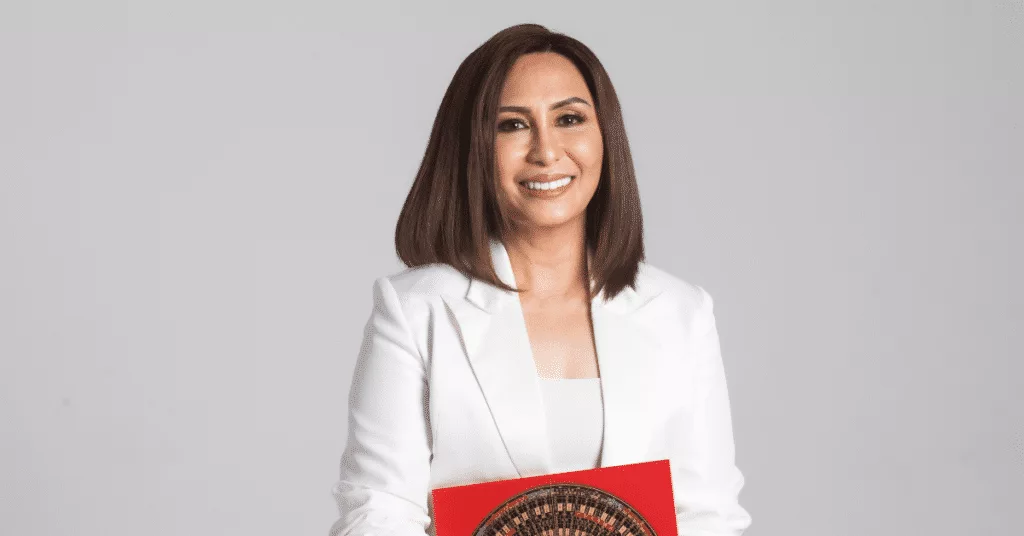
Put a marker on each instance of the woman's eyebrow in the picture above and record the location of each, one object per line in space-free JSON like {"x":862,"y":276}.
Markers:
{"x":559,"y":104}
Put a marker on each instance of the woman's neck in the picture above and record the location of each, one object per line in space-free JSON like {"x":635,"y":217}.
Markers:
{"x":549,"y":263}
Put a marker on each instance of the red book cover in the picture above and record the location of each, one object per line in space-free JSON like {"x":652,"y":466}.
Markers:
{"x":624,"y":500}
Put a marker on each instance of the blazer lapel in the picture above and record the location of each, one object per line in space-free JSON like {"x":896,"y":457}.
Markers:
{"x":627,"y":355}
{"x":493,"y":330}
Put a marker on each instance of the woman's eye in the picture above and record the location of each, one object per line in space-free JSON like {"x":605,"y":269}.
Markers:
{"x":510,"y":125}
{"x":571,"y":119}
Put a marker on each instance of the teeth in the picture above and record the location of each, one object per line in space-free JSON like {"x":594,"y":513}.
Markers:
{"x":549,"y":185}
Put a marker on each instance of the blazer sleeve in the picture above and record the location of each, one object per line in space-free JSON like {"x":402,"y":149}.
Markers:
{"x":385,"y":467}
{"x":699,"y":441}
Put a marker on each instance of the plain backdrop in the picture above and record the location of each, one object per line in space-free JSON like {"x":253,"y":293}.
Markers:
{"x":196,"y":196}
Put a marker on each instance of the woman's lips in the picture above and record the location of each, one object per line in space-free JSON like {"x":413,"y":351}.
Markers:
{"x":544,"y":189}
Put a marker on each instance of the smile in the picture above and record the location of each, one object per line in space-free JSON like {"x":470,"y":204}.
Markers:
{"x":548,"y":188}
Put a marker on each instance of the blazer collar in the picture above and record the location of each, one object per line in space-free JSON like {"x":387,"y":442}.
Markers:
{"x":491,"y":298}
{"x":493,"y":331}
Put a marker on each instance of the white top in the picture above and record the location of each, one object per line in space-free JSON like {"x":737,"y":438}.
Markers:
{"x":575,"y":418}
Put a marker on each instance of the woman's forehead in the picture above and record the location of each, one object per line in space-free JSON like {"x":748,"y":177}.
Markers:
{"x":544,"y":76}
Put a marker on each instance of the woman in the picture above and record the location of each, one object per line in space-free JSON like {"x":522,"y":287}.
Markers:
{"x":528,"y":336}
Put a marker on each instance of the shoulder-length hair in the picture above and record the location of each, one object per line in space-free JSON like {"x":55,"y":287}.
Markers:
{"x":451,"y":213}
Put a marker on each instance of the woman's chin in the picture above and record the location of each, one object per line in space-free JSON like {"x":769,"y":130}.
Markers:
{"x":550,"y":222}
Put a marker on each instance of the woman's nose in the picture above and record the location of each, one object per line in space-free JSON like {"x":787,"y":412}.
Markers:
{"x":546,"y":146}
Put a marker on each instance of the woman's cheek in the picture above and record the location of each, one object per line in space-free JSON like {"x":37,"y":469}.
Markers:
{"x":505,"y":153}
{"x":588,"y":150}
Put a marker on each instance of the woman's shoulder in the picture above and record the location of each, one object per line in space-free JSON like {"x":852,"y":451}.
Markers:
{"x":417,"y":290}
{"x":663,"y":281}
{"x":673,"y":291}
{"x":429,"y":280}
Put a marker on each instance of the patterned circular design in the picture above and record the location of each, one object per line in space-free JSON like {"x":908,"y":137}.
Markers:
{"x":564,"y":510}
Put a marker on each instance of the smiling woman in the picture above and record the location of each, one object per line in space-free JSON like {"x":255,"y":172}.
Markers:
{"x":528,"y":105}
{"x":528,"y":336}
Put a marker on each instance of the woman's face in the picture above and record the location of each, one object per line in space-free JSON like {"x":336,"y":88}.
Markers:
{"x":548,"y":145}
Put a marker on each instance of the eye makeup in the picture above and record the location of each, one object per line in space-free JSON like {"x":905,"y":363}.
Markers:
{"x":574,"y":119}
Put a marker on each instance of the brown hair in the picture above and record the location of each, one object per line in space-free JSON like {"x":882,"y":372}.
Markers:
{"x":451,"y":212}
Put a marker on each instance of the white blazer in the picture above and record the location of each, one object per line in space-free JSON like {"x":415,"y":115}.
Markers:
{"x":445,"y":392}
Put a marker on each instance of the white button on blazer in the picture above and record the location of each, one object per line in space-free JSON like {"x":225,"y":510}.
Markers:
{"x":446,"y":393}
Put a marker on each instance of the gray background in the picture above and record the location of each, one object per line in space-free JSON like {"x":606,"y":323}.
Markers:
{"x":195,"y":198}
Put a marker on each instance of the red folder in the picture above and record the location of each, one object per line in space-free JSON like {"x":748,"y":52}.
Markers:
{"x":624,"y":500}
